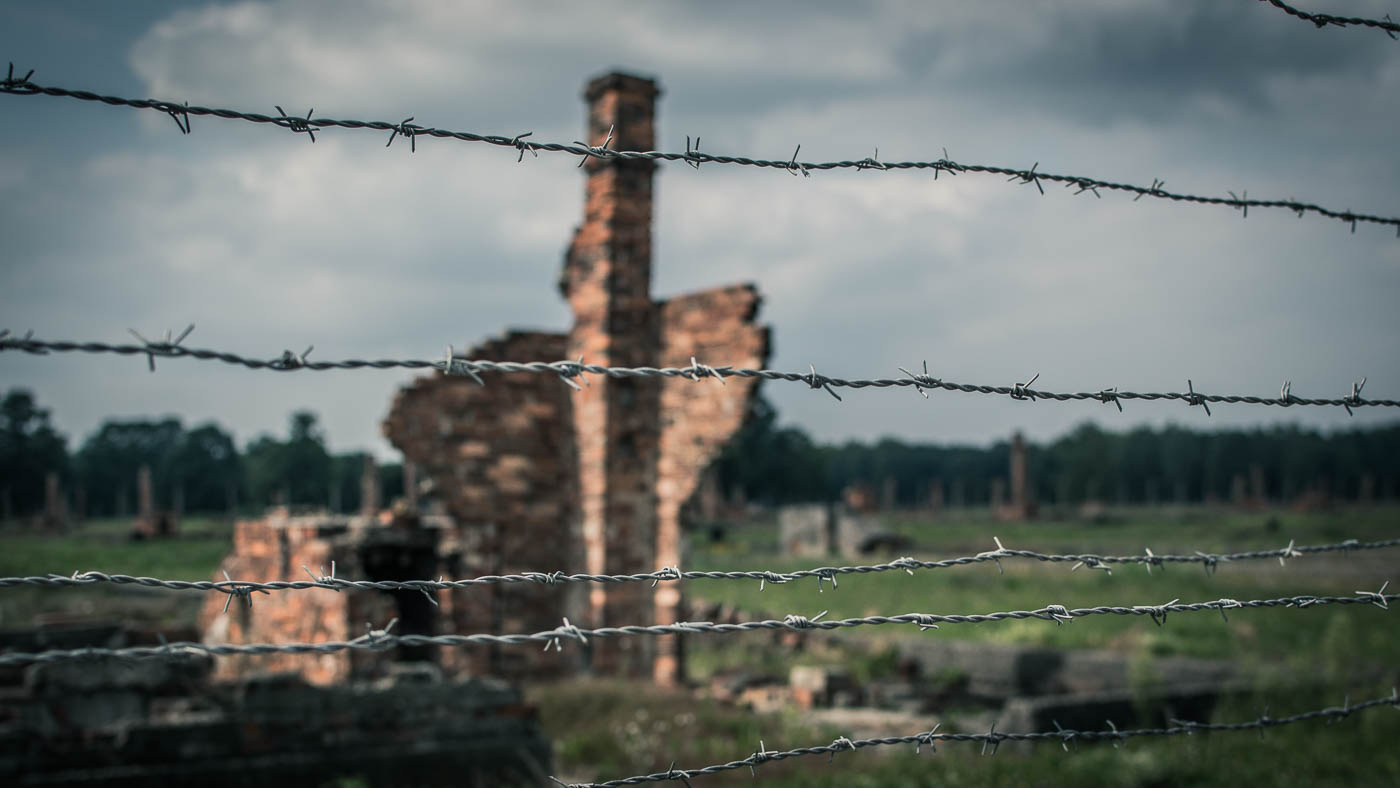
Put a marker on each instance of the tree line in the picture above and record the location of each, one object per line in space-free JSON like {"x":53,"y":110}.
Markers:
{"x":768,"y":463}
{"x":201,"y":468}
{"x":194,"y":469}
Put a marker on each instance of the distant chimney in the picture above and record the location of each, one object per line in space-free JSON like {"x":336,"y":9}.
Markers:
{"x":607,"y":281}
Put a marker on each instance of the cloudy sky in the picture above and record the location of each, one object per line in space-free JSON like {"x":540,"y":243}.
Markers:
{"x":110,"y":218}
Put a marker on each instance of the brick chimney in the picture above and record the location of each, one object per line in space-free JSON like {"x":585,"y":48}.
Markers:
{"x":607,"y":282}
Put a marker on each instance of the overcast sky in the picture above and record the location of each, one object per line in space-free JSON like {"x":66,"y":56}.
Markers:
{"x":109,"y":218}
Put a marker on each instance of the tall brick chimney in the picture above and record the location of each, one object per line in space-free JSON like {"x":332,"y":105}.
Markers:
{"x":607,"y":282}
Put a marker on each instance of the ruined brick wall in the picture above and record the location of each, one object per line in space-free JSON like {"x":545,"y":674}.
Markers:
{"x":538,"y":477}
{"x":607,"y":282}
{"x":502,"y":465}
{"x":276,"y":548}
{"x":697,"y":420}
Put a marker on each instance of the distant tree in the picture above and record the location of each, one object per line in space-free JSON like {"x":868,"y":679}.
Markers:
{"x":770,"y":463}
{"x":30,"y":449}
{"x":347,"y":471}
{"x":206,"y":466}
{"x":391,"y":482}
{"x":110,"y":459}
{"x":296,"y":471}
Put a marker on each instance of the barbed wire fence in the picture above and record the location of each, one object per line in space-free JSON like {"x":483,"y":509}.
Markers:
{"x":993,"y":738}
{"x":1209,"y":562}
{"x":379,"y":639}
{"x":181,"y":112}
{"x":1386,"y":25}
{"x":573,"y":373}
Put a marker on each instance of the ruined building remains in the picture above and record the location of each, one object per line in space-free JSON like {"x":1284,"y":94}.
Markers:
{"x":1022,"y":505}
{"x":533,"y":476}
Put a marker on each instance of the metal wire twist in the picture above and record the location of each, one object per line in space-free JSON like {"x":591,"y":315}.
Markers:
{"x":241,"y":588}
{"x":567,"y":371}
{"x":382,"y":639}
{"x":993,"y":738}
{"x":24,"y":86}
{"x":1385,"y":25}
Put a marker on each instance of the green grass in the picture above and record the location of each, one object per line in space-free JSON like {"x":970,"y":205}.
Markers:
{"x":105,"y":545}
{"x":1332,"y":644}
{"x":608,"y":730}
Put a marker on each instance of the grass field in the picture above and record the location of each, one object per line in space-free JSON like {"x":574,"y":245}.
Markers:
{"x":607,"y":730}
{"x":1308,"y":637}
{"x":105,"y":545}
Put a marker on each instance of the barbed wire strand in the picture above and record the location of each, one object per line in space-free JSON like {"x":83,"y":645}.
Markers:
{"x":567,"y":371}
{"x":993,"y":738}
{"x":1385,"y":25}
{"x":384,"y":639}
{"x":309,"y":125}
{"x":1210,"y":562}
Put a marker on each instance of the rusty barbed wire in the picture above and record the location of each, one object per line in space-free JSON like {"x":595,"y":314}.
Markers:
{"x":24,"y":86}
{"x":1385,"y":25}
{"x":993,"y":738}
{"x":553,"y":638}
{"x":1209,"y":562}
{"x":568,"y":371}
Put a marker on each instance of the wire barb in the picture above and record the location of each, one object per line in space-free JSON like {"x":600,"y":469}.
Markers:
{"x":816,"y":381}
{"x":21,"y":84}
{"x":297,"y":125}
{"x":520,"y":144}
{"x":1023,"y":390}
{"x":566,"y":630}
{"x":838,"y":744}
{"x":1377,"y":598}
{"x":995,"y":555}
{"x":920,"y":381}
{"x":181,"y":116}
{"x":289,"y":361}
{"x":245,"y":591}
{"x":166,"y":347}
{"x":379,"y":639}
{"x":1029,"y":176}
{"x":1354,"y":399}
{"x":453,"y":365}
{"x":407,"y":130}
{"x":698,"y":371}
{"x":797,"y":622}
{"x":1193,"y":399}
{"x":693,"y":157}
{"x":600,"y":151}
{"x":1111,"y":395}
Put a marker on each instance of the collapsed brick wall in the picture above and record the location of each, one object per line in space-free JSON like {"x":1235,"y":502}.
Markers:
{"x":697,"y":419}
{"x":537,"y":477}
{"x":112,"y":722}
{"x":636,"y":447}
{"x":501,"y":463}
{"x":276,"y":548}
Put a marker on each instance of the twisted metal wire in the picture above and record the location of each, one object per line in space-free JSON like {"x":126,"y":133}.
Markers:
{"x":993,"y":738}
{"x":568,"y":371}
{"x":239,"y":588}
{"x":1385,"y":25}
{"x":309,"y":125}
{"x":383,"y":639}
